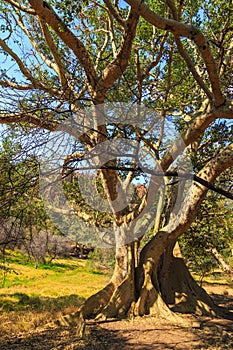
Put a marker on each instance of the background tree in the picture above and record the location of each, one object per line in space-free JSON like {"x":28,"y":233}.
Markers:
{"x":210,"y":235}
{"x":25,"y":224}
{"x":172,"y":56}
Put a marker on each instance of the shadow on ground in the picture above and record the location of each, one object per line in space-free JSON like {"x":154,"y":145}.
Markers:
{"x":140,"y":334}
{"x":224,"y":301}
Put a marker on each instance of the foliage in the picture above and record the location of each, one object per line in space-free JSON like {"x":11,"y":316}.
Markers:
{"x":213,"y":224}
{"x":212,"y":228}
{"x":101,"y":257}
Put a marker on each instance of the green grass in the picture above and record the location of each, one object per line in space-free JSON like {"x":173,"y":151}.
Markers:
{"x":214,"y":277}
{"x":30,"y":297}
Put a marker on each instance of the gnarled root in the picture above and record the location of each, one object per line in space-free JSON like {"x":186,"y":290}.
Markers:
{"x":120,"y":301}
{"x":181,"y":292}
{"x":150,"y":301}
{"x":90,"y":308}
{"x":73,"y":320}
{"x":97,"y":302}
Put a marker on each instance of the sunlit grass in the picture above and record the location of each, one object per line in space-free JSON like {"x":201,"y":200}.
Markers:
{"x":214,"y":277}
{"x":32,"y":297}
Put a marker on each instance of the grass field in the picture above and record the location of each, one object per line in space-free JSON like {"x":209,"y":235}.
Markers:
{"x":30,"y":297}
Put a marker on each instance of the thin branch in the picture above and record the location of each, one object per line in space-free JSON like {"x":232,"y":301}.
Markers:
{"x":181,"y":175}
{"x":188,"y":31}
{"x":158,"y":58}
{"x":21,"y":65}
{"x":115,"y":13}
{"x":171,"y":5}
{"x":112,"y":36}
{"x":129,"y":176}
{"x":24,"y":70}
{"x":192,"y":68}
{"x":47,"y":61}
{"x":59,"y":67}
{"x":211,"y":187}
{"x":102,"y":49}
{"x":139,"y":76}
{"x":20,"y":7}
{"x":29,"y":117}
{"x":229,"y":42}
{"x":86,"y":213}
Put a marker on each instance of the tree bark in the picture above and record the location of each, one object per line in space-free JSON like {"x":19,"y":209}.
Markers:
{"x":178,"y":288}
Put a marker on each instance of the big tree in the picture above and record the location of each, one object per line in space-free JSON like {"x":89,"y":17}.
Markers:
{"x":62,"y":57}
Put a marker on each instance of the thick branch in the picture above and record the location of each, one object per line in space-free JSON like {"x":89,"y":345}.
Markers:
{"x":46,"y":13}
{"x":182,"y":221}
{"x":12,"y":85}
{"x":29,"y":117}
{"x":116,"y":68}
{"x":196,"y":128}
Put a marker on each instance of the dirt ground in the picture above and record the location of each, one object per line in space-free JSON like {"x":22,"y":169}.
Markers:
{"x":140,"y":333}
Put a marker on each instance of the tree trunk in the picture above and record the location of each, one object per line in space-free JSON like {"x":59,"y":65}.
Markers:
{"x":178,"y":288}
